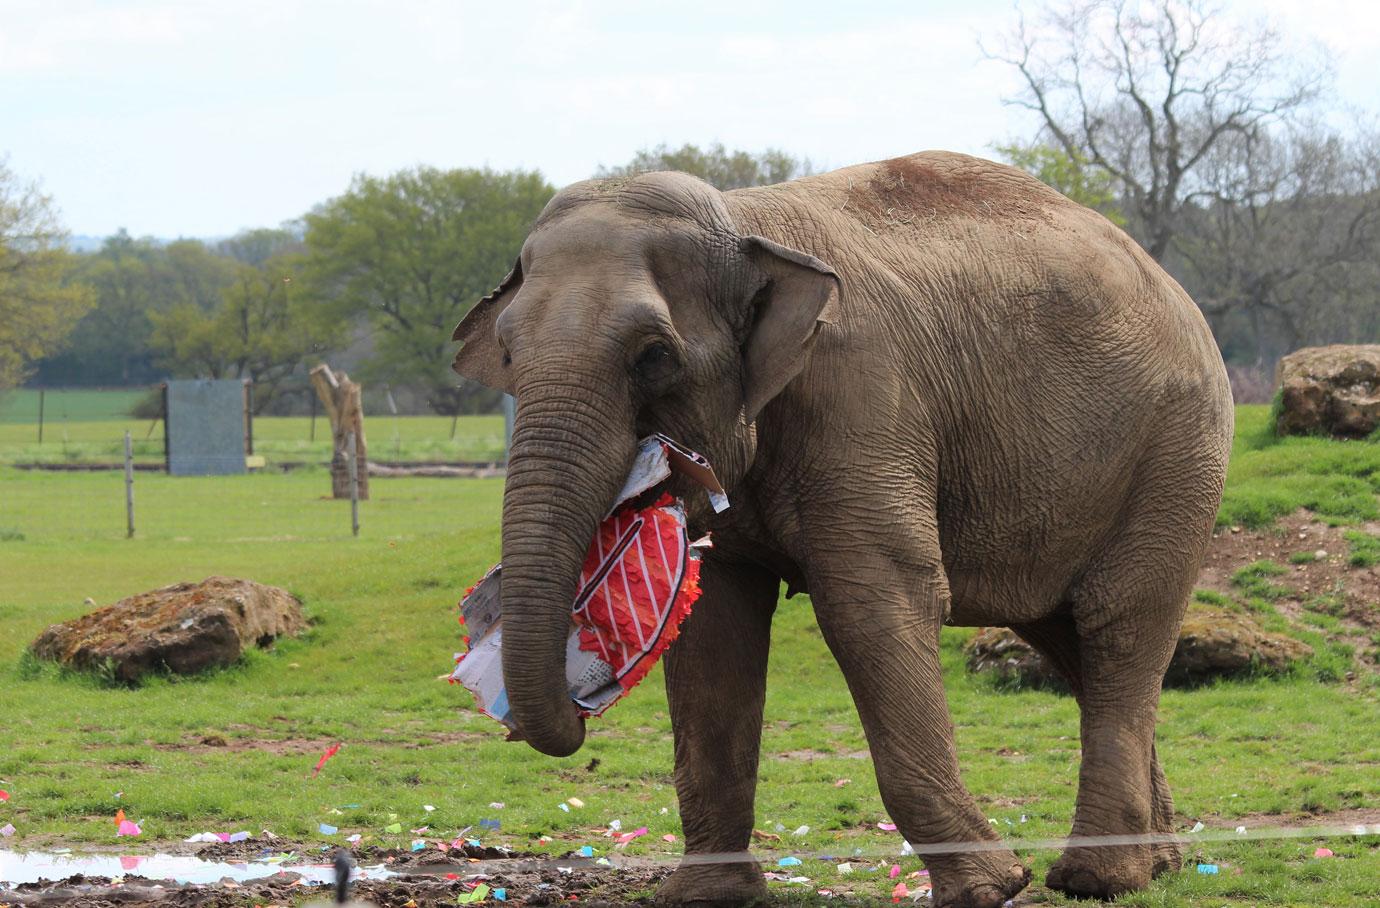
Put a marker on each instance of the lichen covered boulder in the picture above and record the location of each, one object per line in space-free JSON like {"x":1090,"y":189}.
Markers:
{"x":1330,"y":391}
{"x":184,"y":628}
{"x":1213,"y":643}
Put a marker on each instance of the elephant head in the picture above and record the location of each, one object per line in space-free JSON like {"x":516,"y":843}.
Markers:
{"x":634,"y":307}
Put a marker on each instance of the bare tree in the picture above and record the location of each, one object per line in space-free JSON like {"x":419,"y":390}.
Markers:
{"x":1146,"y":91}
{"x":1284,"y":243}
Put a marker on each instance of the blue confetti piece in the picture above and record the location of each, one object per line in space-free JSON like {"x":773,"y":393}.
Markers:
{"x":490,"y":824}
{"x":501,"y":894}
{"x":328,"y":829}
{"x":788,"y":862}
{"x":586,"y":851}
{"x":474,"y":842}
{"x":1207,"y":868}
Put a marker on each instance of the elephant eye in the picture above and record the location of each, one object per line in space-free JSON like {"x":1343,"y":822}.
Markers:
{"x":653,"y":358}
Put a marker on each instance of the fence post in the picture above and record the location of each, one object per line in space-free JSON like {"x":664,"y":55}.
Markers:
{"x":353,"y":461}
{"x":129,"y":487}
{"x":40,"y":416}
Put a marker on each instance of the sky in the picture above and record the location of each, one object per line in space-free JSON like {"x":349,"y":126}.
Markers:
{"x":186,"y":118}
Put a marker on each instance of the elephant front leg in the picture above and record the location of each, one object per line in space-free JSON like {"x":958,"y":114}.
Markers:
{"x":882,"y":620}
{"x":716,"y":675}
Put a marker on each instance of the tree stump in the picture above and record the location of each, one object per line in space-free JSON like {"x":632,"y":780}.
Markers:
{"x":341,"y":398}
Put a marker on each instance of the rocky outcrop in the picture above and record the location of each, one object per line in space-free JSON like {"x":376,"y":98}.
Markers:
{"x":185,"y":628}
{"x":1213,"y":643}
{"x":1330,"y":391}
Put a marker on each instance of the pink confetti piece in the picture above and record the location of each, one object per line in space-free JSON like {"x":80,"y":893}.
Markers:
{"x":899,"y":892}
{"x":4,"y":795}
{"x":330,"y":752}
{"x":128,"y":828}
{"x":668,"y":837}
{"x":7,"y":830}
{"x":1323,"y":853}
{"x":895,"y":871}
{"x":887,"y":827}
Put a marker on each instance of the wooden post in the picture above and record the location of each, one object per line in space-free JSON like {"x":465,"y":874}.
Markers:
{"x":354,"y":482}
{"x":341,"y":399}
{"x":129,"y":487}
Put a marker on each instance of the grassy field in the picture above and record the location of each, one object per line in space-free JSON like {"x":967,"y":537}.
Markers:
{"x":278,"y":438}
{"x":233,"y":750}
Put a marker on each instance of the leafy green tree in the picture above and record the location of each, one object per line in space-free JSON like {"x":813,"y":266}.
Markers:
{"x":411,"y":253}
{"x":264,"y":329}
{"x":716,"y":165}
{"x":134,"y":279}
{"x":1068,"y":173}
{"x":39,"y":304}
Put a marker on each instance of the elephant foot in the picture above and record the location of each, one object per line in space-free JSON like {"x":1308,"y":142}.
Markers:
{"x":1167,"y":857}
{"x":1101,"y":873}
{"x":730,"y":885}
{"x":984,"y":880}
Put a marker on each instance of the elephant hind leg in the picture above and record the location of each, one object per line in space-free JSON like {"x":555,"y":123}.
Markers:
{"x":1056,"y":639}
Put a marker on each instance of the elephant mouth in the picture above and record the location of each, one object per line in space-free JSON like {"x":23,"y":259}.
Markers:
{"x":638,"y":581}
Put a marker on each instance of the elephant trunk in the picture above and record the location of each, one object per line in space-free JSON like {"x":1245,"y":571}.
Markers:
{"x":570,"y":454}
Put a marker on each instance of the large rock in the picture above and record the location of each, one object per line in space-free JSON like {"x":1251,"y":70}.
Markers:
{"x":1330,"y":390}
{"x":184,"y":628}
{"x":1213,"y":643}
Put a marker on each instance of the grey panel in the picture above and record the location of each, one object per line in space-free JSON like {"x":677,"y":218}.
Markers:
{"x":205,"y":427}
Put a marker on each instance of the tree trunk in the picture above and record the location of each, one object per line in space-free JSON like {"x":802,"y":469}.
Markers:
{"x":341,"y":398}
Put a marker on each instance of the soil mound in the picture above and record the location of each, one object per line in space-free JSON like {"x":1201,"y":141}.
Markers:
{"x":184,"y":628}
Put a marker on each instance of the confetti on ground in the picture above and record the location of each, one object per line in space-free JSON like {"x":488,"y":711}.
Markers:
{"x":1323,"y":853}
{"x":887,"y":827}
{"x":575,"y":802}
{"x":788,"y":862}
{"x":842,"y":782}
{"x":1207,"y":868}
{"x":801,"y":830}
{"x":128,"y":828}
{"x":501,"y":894}
{"x":490,"y":824}
{"x":1197,"y":827}
{"x":668,"y":837}
{"x":420,"y":830}
{"x":428,"y":808}
{"x":327,"y":829}
{"x":480,"y":893}
{"x":394,"y":828}
{"x":586,"y":852}
{"x":845,"y":868}
{"x":7,"y":830}
{"x":4,"y":795}
{"x":564,"y":806}
{"x":1241,"y":830}
{"x":899,"y":892}
{"x":895,"y":871}
{"x":497,"y":805}
{"x":418,"y":844}
{"x":330,"y":752}
{"x":353,"y":838}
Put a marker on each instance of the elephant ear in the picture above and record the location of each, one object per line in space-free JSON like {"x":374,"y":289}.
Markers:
{"x":481,"y":357}
{"x":800,"y":293}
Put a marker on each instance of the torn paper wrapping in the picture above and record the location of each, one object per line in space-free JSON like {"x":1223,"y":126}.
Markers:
{"x":637,"y":584}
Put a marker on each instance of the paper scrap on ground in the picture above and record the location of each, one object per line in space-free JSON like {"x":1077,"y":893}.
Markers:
{"x":330,"y":752}
{"x":7,"y":830}
{"x":638,"y":583}
{"x":128,"y":828}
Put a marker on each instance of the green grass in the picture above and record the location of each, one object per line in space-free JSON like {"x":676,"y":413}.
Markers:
{"x":277,"y":438}
{"x":383,"y":612}
{"x":1253,"y":580}
{"x":1270,"y":476}
{"x":20,"y":405}
{"x":1363,"y":549}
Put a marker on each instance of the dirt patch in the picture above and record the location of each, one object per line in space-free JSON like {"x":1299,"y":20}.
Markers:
{"x":908,"y":191}
{"x":1317,"y":574}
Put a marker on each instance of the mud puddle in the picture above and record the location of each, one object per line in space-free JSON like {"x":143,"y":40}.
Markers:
{"x":383,"y":877}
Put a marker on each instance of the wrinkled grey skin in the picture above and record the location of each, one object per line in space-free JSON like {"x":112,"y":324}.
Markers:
{"x":936,"y":391}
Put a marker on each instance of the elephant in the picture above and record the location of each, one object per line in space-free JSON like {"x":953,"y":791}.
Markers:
{"x":937,"y":392}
